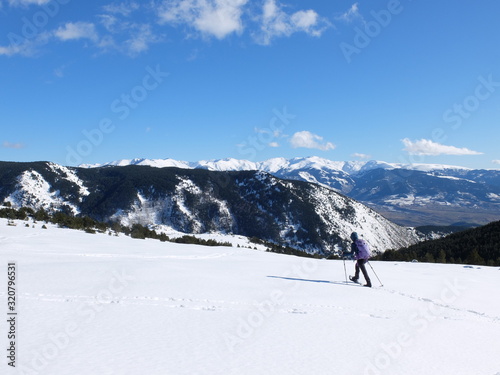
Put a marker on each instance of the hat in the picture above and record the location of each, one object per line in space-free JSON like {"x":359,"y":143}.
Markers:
{"x":354,"y":236}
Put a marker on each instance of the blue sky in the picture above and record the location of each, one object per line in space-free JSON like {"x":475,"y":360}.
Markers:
{"x":399,"y":81}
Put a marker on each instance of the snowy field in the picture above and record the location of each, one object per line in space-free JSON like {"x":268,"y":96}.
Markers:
{"x":97,"y":304}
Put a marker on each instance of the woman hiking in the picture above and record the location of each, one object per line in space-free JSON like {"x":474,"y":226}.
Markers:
{"x":361,"y":252}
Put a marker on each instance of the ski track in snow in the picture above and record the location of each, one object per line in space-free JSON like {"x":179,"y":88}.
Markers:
{"x":178,"y":303}
{"x":220,"y":305}
{"x":199,"y":304}
{"x":495,"y":319}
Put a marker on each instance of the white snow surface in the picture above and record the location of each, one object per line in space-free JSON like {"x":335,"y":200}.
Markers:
{"x":99,"y":304}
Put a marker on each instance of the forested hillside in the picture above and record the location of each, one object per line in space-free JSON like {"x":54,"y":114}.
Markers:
{"x":479,"y":246}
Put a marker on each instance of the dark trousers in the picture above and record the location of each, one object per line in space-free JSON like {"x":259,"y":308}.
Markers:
{"x":360,"y":264}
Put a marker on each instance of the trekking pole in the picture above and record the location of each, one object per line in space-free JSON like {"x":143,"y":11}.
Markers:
{"x":375,"y":274}
{"x":345,"y":271}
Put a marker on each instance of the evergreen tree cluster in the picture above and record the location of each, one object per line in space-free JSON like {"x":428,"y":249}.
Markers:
{"x":199,"y":241}
{"x":281,"y":249}
{"x":89,"y":225}
{"x":478,"y":246}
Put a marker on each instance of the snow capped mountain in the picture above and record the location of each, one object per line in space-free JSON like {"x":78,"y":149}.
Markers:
{"x":277,"y":164}
{"x":411,"y":194}
{"x":157,"y":163}
{"x":248,"y":203}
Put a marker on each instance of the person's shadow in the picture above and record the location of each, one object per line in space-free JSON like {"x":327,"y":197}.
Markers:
{"x":312,"y":281}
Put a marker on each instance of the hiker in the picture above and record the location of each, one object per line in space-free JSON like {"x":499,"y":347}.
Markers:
{"x":361,"y":252}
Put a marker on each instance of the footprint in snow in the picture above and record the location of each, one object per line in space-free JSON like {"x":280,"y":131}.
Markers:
{"x":295,"y":311}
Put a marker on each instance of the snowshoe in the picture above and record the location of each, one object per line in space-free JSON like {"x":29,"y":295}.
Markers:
{"x":354,"y":280}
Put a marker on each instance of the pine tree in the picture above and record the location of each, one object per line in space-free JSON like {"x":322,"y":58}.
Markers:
{"x":429,"y":258}
{"x":441,"y":257}
{"x":475,"y":258}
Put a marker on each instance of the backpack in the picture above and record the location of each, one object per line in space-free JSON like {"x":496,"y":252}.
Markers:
{"x":363,"y":249}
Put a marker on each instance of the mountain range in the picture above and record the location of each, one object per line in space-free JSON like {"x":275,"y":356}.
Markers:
{"x":301,"y":214}
{"x":409,"y":194}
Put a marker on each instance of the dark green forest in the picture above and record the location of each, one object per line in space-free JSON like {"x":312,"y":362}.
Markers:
{"x":478,"y":246}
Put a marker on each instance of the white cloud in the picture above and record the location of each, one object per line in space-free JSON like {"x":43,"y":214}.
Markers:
{"x":218,"y":18}
{"x":113,"y":29}
{"x":12,"y":145}
{"x":116,"y":34}
{"x":495,"y":161}
{"x":110,"y":22}
{"x":430,"y":148}
{"x":9,"y":50}
{"x":25,"y":47}
{"x":306,"y":139}
{"x":351,"y":14}
{"x":125,"y":36}
{"x":77,"y":30}
{"x":124,"y":9}
{"x":107,"y":43}
{"x":275,"y":22}
{"x":361,"y":156}
{"x":305,"y":20}
{"x":27,"y":2}
{"x":274,"y":144}
{"x":141,"y":37}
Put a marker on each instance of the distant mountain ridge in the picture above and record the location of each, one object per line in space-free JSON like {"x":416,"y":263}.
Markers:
{"x":275,"y":164}
{"x":300,"y":214}
{"x":410,"y":194}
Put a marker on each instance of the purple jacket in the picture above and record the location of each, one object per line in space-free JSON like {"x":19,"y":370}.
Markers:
{"x":361,"y":249}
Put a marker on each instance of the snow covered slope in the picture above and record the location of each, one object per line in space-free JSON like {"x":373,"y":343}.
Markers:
{"x":98,"y":304}
{"x":39,"y":185}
